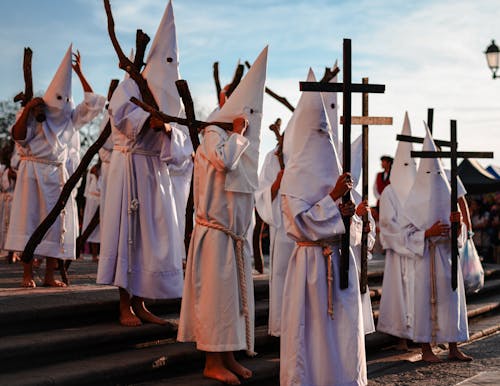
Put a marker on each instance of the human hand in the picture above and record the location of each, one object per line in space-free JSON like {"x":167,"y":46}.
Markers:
{"x":363,"y":208}
{"x":35,"y":102}
{"x":240,"y":125}
{"x":456,"y":217}
{"x":342,"y":186}
{"x":347,"y":209}
{"x":155,"y":123}
{"x":77,"y":62}
{"x":437,"y":229}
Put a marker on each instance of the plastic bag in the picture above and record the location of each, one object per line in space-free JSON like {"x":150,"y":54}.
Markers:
{"x":472,"y":270}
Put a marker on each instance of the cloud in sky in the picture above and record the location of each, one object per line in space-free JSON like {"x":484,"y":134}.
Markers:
{"x":427,"y":53}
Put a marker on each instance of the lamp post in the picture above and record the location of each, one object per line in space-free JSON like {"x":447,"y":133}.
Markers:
{"x":492,"y":57}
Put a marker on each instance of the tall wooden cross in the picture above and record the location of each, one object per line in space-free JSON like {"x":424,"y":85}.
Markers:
{"x":453,"y":155}
{"x":347,"y":88}
{"x":365,"y":121}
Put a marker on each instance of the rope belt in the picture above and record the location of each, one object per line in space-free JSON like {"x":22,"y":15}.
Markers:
{"x":133,"y":204}
{"x":434,"y":316}
{"x":327,"y":252}
{"x":240,"y":264}
{"x":62,"y":180}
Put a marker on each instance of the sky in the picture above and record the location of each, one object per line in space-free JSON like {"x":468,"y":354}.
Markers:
{"x":427,"y":53}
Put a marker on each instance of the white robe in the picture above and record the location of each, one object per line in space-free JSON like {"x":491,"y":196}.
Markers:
{"x":356,"y":235}
{"x":141,"y":246}
{"x":280,"y":245}
{"x":451,"y":306}
{"x":3,"y":203}
{"x":40,"y":177}
{"x":92,"y":200}
{"x":396,"y":314}
{"x":316,"y":350}
{"x":105,"y":155}
{"x":210,"y":311}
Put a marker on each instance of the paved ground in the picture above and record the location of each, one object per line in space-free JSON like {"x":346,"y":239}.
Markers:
{"x":409,"y":370}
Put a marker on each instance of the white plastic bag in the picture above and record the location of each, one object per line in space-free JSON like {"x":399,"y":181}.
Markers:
{"x":472,"y":270}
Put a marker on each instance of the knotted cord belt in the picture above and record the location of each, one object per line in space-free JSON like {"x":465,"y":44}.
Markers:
{"x":432,"y":269}
{"x":327,"y":252}
{"x":62,"y":180}
{"x":240,"y":264}
{"x":133,"y":204}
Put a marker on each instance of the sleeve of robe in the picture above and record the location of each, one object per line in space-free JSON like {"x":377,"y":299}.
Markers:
{"x":177,"y":150}
{"x":91,"y":106}
{"x":223,"y":151}
{"x":305,"y":222}
{"x":126,"y":116}
{"x":413,"y":237}
{"x":391,"y":233}
{"x":269,"y":212}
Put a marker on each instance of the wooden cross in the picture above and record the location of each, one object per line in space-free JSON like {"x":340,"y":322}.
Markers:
{"x":453,"y":154}
{"x":365,"y":121}
{"x":347,"y":88}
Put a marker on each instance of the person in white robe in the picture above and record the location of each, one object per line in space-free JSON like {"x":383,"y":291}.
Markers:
{"x":217,"y":309}
{"x":42,"y":171}
{"x":322,"y":336}
{"x":440,"y":313}
{"x":268,"y":204}
{"x":141,"y":245}
{"x":396,"y":304}
{"x":8,"y":182}
{"x":92,"y":200}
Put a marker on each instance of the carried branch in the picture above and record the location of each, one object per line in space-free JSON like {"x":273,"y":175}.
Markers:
{"x":132,"y":68}
{"x":218,"y":88}
{"x":238,"y":74}
{"x":198,"y":125}
{"x":25,"y":96}
{"x":275,"y":128}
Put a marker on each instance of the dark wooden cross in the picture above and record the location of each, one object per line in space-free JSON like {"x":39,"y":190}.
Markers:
{"x":365,"y":121}
{"x":413,"y":139}
{"x":453,"y":154}
{"x":347,"y":88}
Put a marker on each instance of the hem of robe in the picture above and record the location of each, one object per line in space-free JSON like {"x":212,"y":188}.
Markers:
{"x":212,"y":347}
{"x":441,"y":339}
{"x":45,"y":248}
{"x":155,"y":285}
{"x":395,"y":332}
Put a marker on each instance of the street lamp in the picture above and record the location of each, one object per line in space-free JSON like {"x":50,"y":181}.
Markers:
{"x":492,"y":57}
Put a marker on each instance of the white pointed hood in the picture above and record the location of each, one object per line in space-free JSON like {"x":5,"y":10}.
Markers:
{"x":313,"y":167}
{"x":131,"y":57}
{"x":404,"y":167}
{"x":162,"y":65}
{"x":356,"y":168}
{"x":331,"y":108}
{"x":57,"y":97}
{"x":429,"y":198}
{"x":246,"y":100}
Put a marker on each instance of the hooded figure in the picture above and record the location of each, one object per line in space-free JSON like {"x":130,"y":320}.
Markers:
{"x":42,"y":172}
{"x":143,"y":253}
{"x":427,"y":203}
{"x":396,"y":305}
{"x":219,"y":268}
{"x":317,"y":348}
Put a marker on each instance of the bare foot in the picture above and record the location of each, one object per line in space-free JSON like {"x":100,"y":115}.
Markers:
{"x":53,"y":283}
{"x":221,"y":374}
{"x":144,"y":314}
{"x":457,"y":355}
{"x":129,"y":319}
{"x":236,"y":367}
{"x":430,"y":357}
{"x":28,"y":283}
{"x":427,"y":354}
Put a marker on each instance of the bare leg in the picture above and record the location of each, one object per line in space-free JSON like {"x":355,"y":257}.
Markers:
{"x":231,"y":363}
{"x":456,"y":354}
{"x":143,"y":313}
{"x":215,"y":369}
{"x":402,"y":345}
{"x":428,"y":355}
{"x":50,"y":281}
{"x":94,"y":249}
{"x":127,"y":316}
{"x":28,"y":281}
